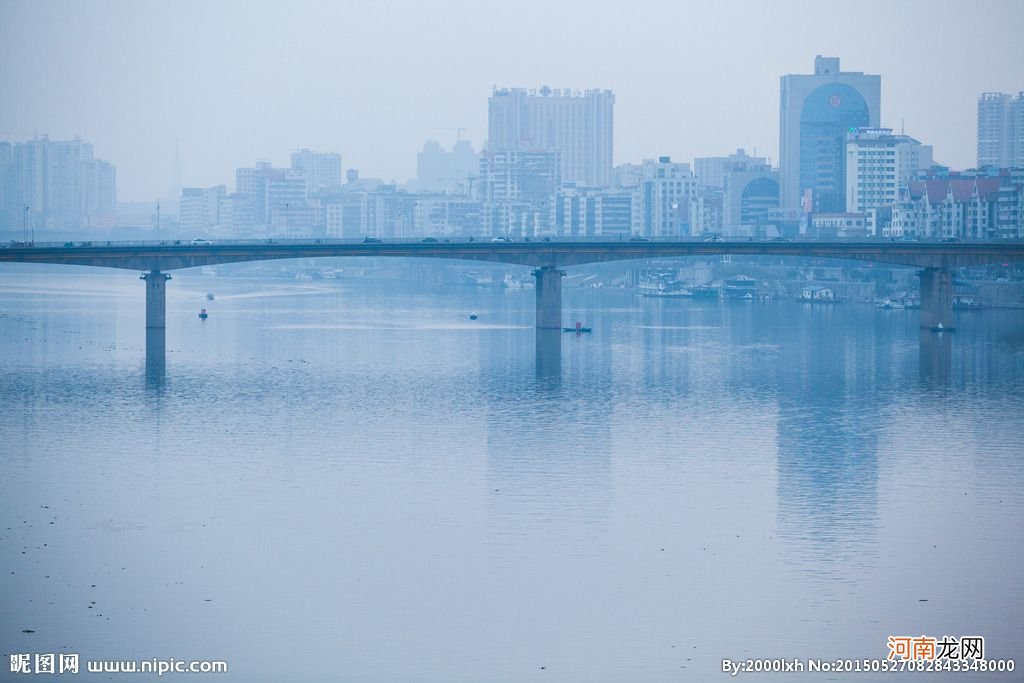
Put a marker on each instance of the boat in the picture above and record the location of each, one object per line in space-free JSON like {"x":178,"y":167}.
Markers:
{"x":667,"y":293}
{"x":705,"y":292}
{"x":203,"y":315}
{"x":472,"y":316}
{"x":941,"y":328}
{"x":209,"y":296}
{"x":890,"y":305}
{"x":578,"y":329}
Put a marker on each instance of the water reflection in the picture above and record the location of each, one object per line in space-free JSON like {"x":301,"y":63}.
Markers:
{"x":372,"y":469}
{"x":935,"y":351}
{"x":548,"y":353}
{"x":156,"y":355}
{"x":829,"y":417}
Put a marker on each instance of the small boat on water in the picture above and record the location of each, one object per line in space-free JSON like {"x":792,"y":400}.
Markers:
{"x":209,"y":296}
{"x":472,"y":316}
{"x":578,"y":329}
{"x":203,"y":315}
{"x":941,"y":328}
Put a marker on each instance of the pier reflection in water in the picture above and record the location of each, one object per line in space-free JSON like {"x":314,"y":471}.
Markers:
{"x":156,"y":355}
{"x":935,"y":356}
{"x":548,"y":353}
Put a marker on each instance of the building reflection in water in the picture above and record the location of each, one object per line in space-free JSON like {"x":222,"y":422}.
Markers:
{"x":827,"y":439}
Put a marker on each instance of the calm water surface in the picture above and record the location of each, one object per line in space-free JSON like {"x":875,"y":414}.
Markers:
{"x":352,"y":481}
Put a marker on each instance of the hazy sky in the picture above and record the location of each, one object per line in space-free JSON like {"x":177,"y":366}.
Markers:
{"x":247,"y":80}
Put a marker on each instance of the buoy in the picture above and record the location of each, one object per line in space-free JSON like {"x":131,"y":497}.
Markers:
{"x":203,"y":315}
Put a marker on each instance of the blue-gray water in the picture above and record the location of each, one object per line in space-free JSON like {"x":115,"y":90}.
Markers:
{"x":352,"y":481}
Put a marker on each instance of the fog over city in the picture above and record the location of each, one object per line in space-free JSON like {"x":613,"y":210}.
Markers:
{"x":237,"y":82}
{"x":532,"y":341}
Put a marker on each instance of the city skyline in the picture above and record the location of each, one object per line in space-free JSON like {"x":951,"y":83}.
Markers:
{"x":374,"y":83}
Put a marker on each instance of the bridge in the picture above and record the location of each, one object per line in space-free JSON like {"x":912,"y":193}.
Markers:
{"x":155,"y":259}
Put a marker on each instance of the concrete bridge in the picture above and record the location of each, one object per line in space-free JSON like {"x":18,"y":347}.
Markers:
{"x":155,"y":259}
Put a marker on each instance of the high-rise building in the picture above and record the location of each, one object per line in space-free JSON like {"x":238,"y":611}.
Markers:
{"x":816,"y":111}
{"x":199,"y":208}
{"x":662,"y":199}
{"x":577,"y":124}
{"x":438,"y":170}
{"x":711,"y":171}
{"x":1000,"y":130}
{"x":321,"y":170}
{"x":878,"y":164}
{"x":749,"y":198}
{"x":62,"y":184}
{"x":587,"y":211}
{"x":518,"y":191}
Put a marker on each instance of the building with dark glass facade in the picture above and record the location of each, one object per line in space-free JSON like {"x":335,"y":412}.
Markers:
{"x":816,"y":113}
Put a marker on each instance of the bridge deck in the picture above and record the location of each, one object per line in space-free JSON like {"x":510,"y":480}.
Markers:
{"x":164,"y":257}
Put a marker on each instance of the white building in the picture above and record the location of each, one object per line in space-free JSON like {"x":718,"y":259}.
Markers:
{"x":661,"y":202}
{"x":842,"y":225}
{"x":593,"y":212}
{"x":963,"y":206}
{"x":577,"y":124}
{"x":878,"y":164}
{"x":199,"y":208}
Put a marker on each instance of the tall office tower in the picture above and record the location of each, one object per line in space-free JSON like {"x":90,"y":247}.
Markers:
{"x":1000,"y":130}
{"x":322,"y":170}
{"x":577,"y":124}
{"x":816,"y":111}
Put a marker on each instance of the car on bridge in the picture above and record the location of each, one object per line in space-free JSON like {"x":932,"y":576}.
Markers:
{"x":199,"y":242}
{"x":501,"y":239}
{"x":371,"y":240}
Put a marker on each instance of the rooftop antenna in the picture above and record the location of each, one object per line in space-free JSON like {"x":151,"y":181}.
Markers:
{"x":903,"y":129}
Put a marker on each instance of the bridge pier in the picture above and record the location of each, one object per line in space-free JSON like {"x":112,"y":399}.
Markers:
{"x":549,"y":298}
{"x":156,"y":299}
{"x":156,"y":323}
{"x":936,"y":298}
